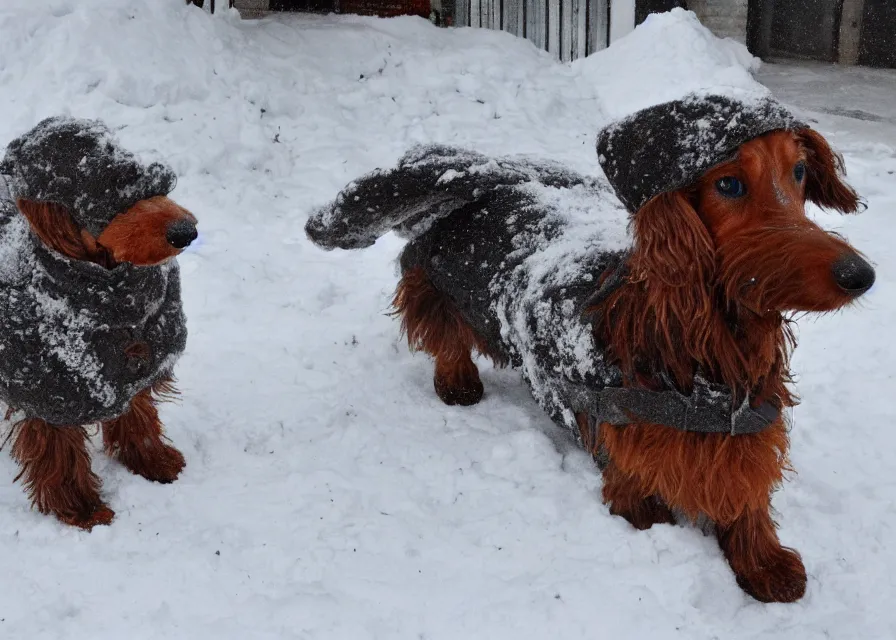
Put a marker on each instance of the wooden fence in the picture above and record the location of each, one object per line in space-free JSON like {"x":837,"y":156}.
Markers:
{"x":569,"y":29}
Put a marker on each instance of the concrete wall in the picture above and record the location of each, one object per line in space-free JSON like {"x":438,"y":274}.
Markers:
{"x":251,"y":8}
{"x":725,"y":18}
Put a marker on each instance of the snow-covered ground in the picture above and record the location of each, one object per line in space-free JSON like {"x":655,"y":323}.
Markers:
{"x":329,"y":494}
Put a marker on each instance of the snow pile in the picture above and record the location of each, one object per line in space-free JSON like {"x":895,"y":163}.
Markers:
{"x":328,"y":493}
{"x":667,"y":56}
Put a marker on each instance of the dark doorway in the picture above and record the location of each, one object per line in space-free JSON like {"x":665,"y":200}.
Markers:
{"x":313,"y":6}
{"x":804,"y":29}
{"x":644,"y":8}
{"x":877,"y":47}
{"x":383,"y":8}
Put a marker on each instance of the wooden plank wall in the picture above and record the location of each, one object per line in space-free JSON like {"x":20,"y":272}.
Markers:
{"x":568,"y":29}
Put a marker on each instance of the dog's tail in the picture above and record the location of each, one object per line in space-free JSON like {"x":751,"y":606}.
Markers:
{"x":429,"y":183}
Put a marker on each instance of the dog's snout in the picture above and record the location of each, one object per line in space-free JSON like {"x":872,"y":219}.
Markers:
{"x":181,"y":233}
{"x":853,"y":274}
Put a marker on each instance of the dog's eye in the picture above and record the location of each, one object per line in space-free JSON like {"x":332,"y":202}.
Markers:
{"x":731,"y":187}
{"x":799,"y":171}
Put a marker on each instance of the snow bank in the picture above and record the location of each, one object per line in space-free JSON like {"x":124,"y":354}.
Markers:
{"x":669,"y":55}
{"x":359,"y":86}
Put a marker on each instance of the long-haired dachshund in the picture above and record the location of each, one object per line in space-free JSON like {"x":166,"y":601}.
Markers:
{"x":92,"y":322}
{"x":663,"y":343}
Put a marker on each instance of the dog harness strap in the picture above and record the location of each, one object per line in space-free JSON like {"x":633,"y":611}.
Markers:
{"x":621,"y":406}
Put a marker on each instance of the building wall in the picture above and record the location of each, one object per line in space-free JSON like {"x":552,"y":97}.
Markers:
{"x":385,"y":8}
{"x":725,"y":18}
{"x":877,"y":45}
{"x":251,"y":8}
{"x":622,"y":18}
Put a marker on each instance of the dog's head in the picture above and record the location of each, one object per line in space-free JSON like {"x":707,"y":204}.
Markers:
{"x":89,"y":198}
{"x":743,"y":224}
{"x":717,"y":186}
{"x":149,"y":233}
{"x":723,"y":247}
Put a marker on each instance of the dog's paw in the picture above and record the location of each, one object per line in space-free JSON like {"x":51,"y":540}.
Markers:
{"x":160,"y":463}
{"x":465,"y":394}
{"x":99,"y":515}
{"x":645,"y":514}
{"x":781,"y":579}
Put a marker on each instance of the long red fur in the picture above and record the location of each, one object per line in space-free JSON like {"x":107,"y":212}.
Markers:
{"x":56,"y":473}
{"x":136,"y":439}
{"x":434,"y":326}
{"x":53,"y":224}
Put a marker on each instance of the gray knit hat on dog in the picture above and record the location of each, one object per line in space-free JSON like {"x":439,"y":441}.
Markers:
{"x":80,"y":165}
{"x":670,"y":145}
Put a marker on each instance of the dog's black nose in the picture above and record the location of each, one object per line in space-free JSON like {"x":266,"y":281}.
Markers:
{"x":853,"y":274}
{"x":181,"y":233}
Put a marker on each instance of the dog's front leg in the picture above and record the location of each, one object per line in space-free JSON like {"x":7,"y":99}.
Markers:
{"x":136,"y":440}
{"x":627,"y":498}
{"x":764,"y":569}
{"x":623,"y":492}
{"x":57,"y":475}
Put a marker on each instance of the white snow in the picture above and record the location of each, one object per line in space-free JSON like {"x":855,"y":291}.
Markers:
{"x":329,"y":494}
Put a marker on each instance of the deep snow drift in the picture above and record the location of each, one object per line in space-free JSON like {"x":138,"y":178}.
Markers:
{"x":329,"y":494}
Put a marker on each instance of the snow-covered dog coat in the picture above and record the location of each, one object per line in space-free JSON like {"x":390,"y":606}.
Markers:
{"x":517,"y":245}
{"x":66,"y":325}
{"x":520,"y":246}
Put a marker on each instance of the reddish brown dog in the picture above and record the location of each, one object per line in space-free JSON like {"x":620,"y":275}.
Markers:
{"x":765,"y":258}
{"x":715,"y":270}
{"x":664,"y":345}
{"x":55,"y":462}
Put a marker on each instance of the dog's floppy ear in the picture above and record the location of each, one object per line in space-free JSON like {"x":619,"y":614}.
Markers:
{"x":824,"y":184}
{"x":668,"y":310}
{"x":672,"y":243}
{"x":54,"y":226}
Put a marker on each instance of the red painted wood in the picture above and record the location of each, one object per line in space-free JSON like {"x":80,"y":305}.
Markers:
{"x":386,"y":8}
